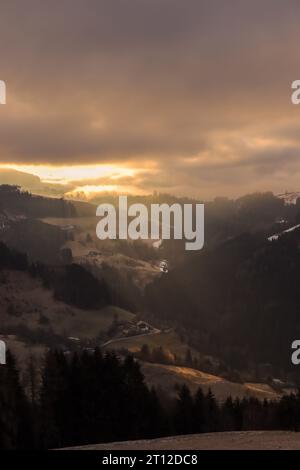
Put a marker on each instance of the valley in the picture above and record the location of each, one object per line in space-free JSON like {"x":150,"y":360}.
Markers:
{"x":179,"y":340}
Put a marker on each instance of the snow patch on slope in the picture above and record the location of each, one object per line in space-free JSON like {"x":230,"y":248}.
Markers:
{"x":277,"y":235}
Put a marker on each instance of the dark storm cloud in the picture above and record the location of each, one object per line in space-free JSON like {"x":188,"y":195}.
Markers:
{"x":162,"y":80}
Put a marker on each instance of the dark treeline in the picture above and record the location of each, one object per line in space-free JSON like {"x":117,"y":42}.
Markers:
{"x":22,"y":229}
{"x":90,"y":398}
{"x":74,"y":284}
{"x":11,"y":259}
{"x":17,"y":201}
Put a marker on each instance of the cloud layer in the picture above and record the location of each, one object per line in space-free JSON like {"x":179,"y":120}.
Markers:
{"x":197,"y":91}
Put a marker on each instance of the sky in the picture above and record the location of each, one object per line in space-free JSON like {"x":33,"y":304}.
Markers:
{"x":190,"y":97}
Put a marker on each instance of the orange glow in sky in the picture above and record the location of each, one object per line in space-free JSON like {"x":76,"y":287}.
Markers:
{"x":66,"y":174}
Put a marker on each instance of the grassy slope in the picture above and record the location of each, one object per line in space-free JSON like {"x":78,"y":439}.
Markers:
{"x":167,"y":377}
{"x":23,"y":300}
{"x":169,"y":340}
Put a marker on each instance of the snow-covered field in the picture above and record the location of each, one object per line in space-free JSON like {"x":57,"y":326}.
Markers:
{"x":246,"y":440}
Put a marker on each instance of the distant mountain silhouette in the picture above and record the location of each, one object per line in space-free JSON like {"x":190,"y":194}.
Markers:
{"x":20,"y":178}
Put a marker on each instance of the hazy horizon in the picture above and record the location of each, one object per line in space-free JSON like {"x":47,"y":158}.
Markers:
{"x":72,"y":190}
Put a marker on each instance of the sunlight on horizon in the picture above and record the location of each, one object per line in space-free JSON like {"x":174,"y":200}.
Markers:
{"x":67,"y":174}
{"x":84,"y":181}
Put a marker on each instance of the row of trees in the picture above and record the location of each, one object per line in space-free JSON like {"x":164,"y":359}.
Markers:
{"x":160,"y":355}
{"x":72,"y":283}
{"x":17,"y":201}
{"x":11,"y":259}
{"x":87,"y":398}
